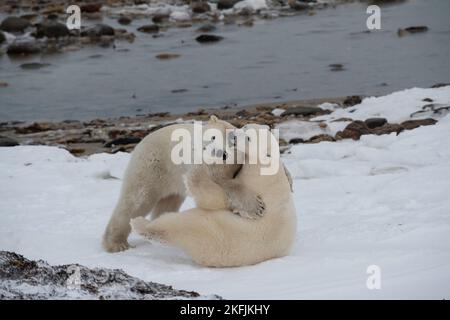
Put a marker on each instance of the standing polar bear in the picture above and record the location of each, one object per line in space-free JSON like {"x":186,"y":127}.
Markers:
{"x":212,"y":235}
{"x":153,"y":182}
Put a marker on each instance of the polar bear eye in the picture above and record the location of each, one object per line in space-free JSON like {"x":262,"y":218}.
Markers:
{"x":213,"y":138}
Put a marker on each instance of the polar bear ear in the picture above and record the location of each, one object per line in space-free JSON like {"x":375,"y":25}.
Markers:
{"x":213,"y":119}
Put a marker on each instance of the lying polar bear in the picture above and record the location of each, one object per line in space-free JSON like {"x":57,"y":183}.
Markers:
{"x":212,"y":235}
{"x":153,"y":183}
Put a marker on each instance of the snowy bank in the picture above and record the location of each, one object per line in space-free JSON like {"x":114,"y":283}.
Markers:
{"x":382,"y":200}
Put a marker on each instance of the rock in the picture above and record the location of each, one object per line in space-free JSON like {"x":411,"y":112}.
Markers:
{"x":243,"y":113}
{"x":2,"y":37}
{"x":14,"y":24}
{"x":179,"y":90}
{"x":91,"y":7}
{"x":432,"y":109}
{"x":30,"y":16}
{"x":375,"y":122}
{"x":34,"y":127}
{"x":8,"y":142}
{"x":200,"y":7}
{"x":440,"y":85}
{"x":23,"y":48}
{"x":51,"y":30}
{"x":388,"y":128}
{"x":149,"y":28}
{"x":296,"y":141}
{"x":122,"y":141}
{"x":160,"y":17}
{"x":350,"y":101}
{"x":208,"y":38}
{"x":247,"y":23}
{"x":76,"y":151}
{"x":124,"y":20}
{"x":343,"y":119}
{"x":336,"y":67}
{"x":301,"y":111}
{"x":355,"y":130}
{"x":98,"y":31}
{"x":33,"y":65}
{"x":411,"y":30}
{"x":226,"y":4}
{"x":412,"y":124}
{"x":199,"y":112}
{"x":321,"y":138}
{"x":167,"y":56}
{"x":298,"y":5}
{"x":23,"y":279}
{"x":207,"y":28}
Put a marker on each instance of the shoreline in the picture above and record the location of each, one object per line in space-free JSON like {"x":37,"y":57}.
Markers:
{"x":111,"y":135}
{"x":84,"y":138}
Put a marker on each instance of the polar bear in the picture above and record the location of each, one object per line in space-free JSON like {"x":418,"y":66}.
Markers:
{"x":215,"y":237}
{"x":153,"y":183}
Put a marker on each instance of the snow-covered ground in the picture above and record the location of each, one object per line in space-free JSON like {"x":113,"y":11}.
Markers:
{"x":383,"y":200}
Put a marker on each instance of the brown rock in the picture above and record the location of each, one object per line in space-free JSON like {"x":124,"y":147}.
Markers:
{"x":160,"y":17}
{"x":34,"y":127}
{"x":167,"y":56}
{"x":350,"y":101}
{"x":91,"y":7}
{"x":14,"y":24}
{"x":76,"y":151}
{"x":149,"y":28}
{"x":355,"y":130}
{"x":23,"y":48}
{"x":342,"y":120}
{"x":200,"y":7}
{"x":124,"y":20}
{"x":412,"y":124}
{"x":388,"y":128}
{"x":320,"y":138}
{"x":302,"y":111}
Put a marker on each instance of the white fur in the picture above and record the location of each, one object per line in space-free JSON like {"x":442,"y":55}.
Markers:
{"x":152,"y":182}
{"x":214,"y":236}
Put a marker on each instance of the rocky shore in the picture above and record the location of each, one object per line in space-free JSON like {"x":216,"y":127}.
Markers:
{"x":39,"y":26}
{"x":24,"y":279}
{"x":298,"y":122}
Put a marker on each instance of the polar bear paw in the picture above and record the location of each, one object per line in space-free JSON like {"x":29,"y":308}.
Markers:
{"x":248,"y":207}
{"x":112,"y":246}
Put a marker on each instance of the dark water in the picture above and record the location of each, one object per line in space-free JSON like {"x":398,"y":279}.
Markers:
{"x":282,"y":59}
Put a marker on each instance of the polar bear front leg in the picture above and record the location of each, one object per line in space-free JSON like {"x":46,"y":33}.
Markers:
{"x":206,"y":193}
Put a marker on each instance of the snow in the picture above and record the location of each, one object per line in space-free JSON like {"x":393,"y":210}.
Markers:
{"x":395,"y":107}
{"x":382,"y":200}
{"x":277,"y":112}
{"x":251,"y":4}
{"x":304,"y":130}
{"x":180,"y":14}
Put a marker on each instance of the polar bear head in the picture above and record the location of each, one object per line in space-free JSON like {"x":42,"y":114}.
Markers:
{"x":219,"y":147}
{"x":260,"y":146}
